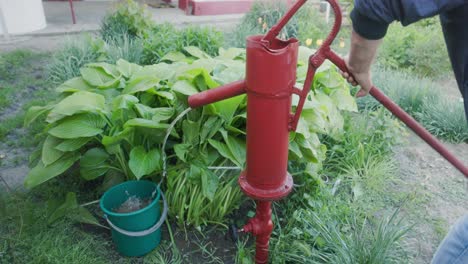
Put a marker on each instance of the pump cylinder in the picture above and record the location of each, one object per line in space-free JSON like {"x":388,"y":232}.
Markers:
{"x":270,"y":78}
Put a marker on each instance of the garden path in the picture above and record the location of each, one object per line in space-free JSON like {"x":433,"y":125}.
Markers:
{"x":436,"y":191}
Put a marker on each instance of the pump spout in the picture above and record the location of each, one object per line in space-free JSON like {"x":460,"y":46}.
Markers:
{"x":217,"y":94}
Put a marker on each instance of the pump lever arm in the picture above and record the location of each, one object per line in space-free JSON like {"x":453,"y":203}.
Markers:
{"x":406,"y":118}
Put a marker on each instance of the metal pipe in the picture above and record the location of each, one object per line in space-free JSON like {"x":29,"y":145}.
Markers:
{"x":217,"y":94}
{"x":72,"y":11}
{"x":3,"y":21}
{"x":261,"y":226}
{"x":406,"y":118}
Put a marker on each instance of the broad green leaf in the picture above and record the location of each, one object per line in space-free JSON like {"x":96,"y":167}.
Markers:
{"x":181,"y":151}
{"x":184,"y":87}
{"x":207,"y":64}
{"x":163,"y":113}
{"x":126,"y":68}
{"x":143,"y":163}
{"x":78,"y":102}
{"x":145,"y":111}
{"x":155,"y":114}
{"x":78,"y":126}
{"x":73,"y":85}
{"x":109,"y":141}
{"x":162,"y":71}
{"x":210,"y":128}
{"x":210,"y":184}
{"x":163,"y":94}
{"x":174,"y":56}
{"x":190,"y":131}
{"x":98,"y":77}
{"x":91,"y":173}
{"x":34,"y":112}
{"x":195,"y":173}
{"x":228,"y":73}
{"x":223,"y":150}
{"x":230,"y":53}
{"x":196,"y":52}
{"x":227,"y":108}
{"x":329,"y":79}
{"x":308,"y":151}
{"x":82,"y":215}
{"x":93,"y":163}
{"x":124,"y":101}
{"x":49,"y":153}
{"x":140,"y":122}
{"x":140,"y":85}
{"x":205,"y":76}
{"x":294,"y":148}
{"x":64,"y":209}
{"x":73,"y":144}
{"x":41,"y":173}
{"x":94,"y":157}
{"x":111,"y":179}
{"x":304,"y":54}
{"x":237,"y":148}
{"x":106,"y":67}
{"x":302,"y":128}
{"x":343,"y":99}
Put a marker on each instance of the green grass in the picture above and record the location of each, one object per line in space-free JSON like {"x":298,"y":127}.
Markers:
{"x":23,"y":84}
{"x":369,"y":136}
{"x":76,"y":52}
{"x":408,"y":91}
{"x":445,"y":118}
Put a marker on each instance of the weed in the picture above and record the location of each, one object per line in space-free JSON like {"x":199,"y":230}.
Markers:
{"x":27,"y":239}
{"x":129,"y":19}
{"x":75,"y":53}
{"x":368,"y":136}
{"x":165,"y":253}
{"x":207,"y":39}
{"x":444,"y":118}
{"x":10,"y":124}
{"x":320,"y":227}
{"x":308,"y":25}
{"x":125,"y":47}
{"x":165,"y":38}
{"x":418,"y":48}
{"x":408,"y":91}
{"x":365,"y":243}
{"x":12,"y":62}
{"x":244,"y":253}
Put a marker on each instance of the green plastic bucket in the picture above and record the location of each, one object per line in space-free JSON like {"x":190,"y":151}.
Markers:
{"x":136,"y":233}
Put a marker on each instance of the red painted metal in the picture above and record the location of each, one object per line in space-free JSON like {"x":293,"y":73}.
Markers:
{"x":183,"y":4}
{"x":269,"y":84}
{"x":72,"y":11}
{"x":406,"y":118}
{"x":218,"y":94}
{"x":261,"y":227}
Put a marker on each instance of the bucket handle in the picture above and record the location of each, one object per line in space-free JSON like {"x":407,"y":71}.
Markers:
{"x":143,"y":232}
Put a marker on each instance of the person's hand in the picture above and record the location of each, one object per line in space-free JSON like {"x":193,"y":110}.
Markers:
{"x":355,"y":77}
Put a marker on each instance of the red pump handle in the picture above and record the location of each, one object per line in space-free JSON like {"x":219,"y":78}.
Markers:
{"x":409,"y":121}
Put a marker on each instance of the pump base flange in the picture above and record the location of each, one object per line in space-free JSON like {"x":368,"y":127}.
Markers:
{"x":264,"y":194}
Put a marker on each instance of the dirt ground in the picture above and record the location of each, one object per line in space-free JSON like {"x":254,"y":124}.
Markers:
{"x":436,"y":194}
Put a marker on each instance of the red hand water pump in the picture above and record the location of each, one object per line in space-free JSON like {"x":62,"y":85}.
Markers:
{"x":269,"y":85}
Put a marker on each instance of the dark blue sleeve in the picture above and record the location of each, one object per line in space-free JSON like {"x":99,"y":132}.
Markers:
{"x":372,"y":17}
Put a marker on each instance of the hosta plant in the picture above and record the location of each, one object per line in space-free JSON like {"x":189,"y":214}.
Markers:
{"x":111,"y":122}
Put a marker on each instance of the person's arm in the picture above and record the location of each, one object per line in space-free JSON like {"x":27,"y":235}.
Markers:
{"x":371,"y":19}
{"x":359,"y":62}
